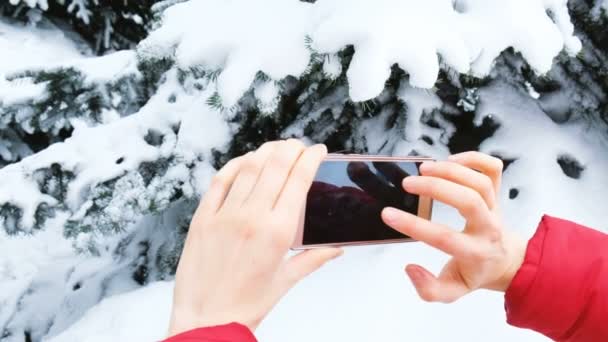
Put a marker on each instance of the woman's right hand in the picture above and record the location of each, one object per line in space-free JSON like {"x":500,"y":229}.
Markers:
{"x":484,"y":254}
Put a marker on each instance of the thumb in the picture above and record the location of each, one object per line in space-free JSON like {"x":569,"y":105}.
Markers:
{"x":299,"y":266}
{"x":432,"y":289}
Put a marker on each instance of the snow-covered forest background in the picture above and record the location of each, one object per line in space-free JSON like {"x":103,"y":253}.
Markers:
{"x":115,"y":114}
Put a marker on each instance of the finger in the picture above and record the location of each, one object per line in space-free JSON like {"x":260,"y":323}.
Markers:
{"x":294,"y":193}
{"x":392,"y":171}
{"x":434,"y":234}
{"x":488,"y":165}
{"x":301,"y":265}
{"x":275,"y":172}
{"x":220,"y":185}
{"x":248,"y":175}
{"x":462,"y":175}
{"x":467,"y":201}
{"x":433,"y":289}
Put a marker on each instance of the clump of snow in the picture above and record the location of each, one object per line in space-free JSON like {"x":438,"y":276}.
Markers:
{"x":413,"y":34}
{"x":418,"y":101}
{"x":24,"y":47}
{"x":43,"y":4}
{"x":107,"y":68}
{"x":267,"y":94}
{"x":600,"y":8}
{"x":20,"y":91}
{"x":249,"y":38}
{"x":332,"y":66}
{"x":532,"y":91}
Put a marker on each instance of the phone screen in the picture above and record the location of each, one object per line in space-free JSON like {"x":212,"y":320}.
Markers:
{"x":346,"y":198}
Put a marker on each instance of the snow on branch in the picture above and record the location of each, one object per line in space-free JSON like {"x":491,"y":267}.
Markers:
{"x":47,"y":99}
{"x":106,"y":177}
{"x":468,"y":35}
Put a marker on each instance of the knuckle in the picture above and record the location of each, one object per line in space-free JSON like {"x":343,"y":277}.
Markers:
{"x":252,"y":165}
{"x":268,"y":144}
{"x":427,"y":294}
{"x":497,"y":164}
{"x":248,"y":230}
{"x":476,"y":255}
{"x":231,"y":163}
{"x":494,"y":235}
{"x":266,"y":148}
{"x":244,"y":227}
{"x":279,"y":238}
{"x":280,"y":161}
{"x":487,"y":185}
{"x":446,"y":169}
{"x":443,"y":240}
{"x":472,"y":204}
{"x":295,"y":143}
{"x":218,"y":181}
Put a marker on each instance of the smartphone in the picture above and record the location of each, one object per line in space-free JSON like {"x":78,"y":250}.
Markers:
{"x":347,"y":196}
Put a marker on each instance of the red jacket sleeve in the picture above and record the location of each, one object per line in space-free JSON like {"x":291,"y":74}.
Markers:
{"x":561,"y":290}
{"x":232,"y":332}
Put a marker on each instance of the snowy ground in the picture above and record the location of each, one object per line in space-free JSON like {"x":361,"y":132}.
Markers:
{"x":363,"y":296}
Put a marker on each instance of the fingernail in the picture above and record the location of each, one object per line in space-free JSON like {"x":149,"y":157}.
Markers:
{"x":415,"y":275}
{"x":427,"y":166}
{"x":339,"y":253}
{"x":321,"y":147}
{"x":390,"y":214}
{"x":408,"y":181}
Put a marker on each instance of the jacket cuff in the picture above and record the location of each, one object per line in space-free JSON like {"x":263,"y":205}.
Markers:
{"x":233,"y":332}
{"x":560,"y":289}
{"x":520,"y":287}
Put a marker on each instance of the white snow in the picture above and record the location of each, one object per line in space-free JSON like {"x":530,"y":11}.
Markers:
{"x":24,"y":47}
{"x":43,"y":4}
{"x":20,"y":90}
{"x":600,"y":8}
{"x":98,"y":326}
{"x":365,"y":295}
{"x":529,"y":135}
{"x":251,"y":39}
{"x":468,"y":36}
{"x":107,"y":68}
{"x":92,"y":152}
{"x":267,"y":94}
{"x":332,"y":67}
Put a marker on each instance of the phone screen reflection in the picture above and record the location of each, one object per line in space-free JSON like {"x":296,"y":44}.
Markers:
{"x":347,"y":197}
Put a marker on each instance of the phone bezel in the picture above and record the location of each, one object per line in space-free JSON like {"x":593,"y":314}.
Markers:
{"x":425,"y":204}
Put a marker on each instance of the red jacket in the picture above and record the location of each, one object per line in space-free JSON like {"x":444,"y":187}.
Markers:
{"x":561,"y":290}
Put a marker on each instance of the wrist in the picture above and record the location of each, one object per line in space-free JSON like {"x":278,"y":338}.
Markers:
{"x":515,"y":250}
{"x":182,"y":321}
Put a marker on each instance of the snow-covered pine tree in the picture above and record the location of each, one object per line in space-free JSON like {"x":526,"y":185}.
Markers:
{"x":105,"y":25}
{"x":52,"y":100}
{"x":132,"y":138}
